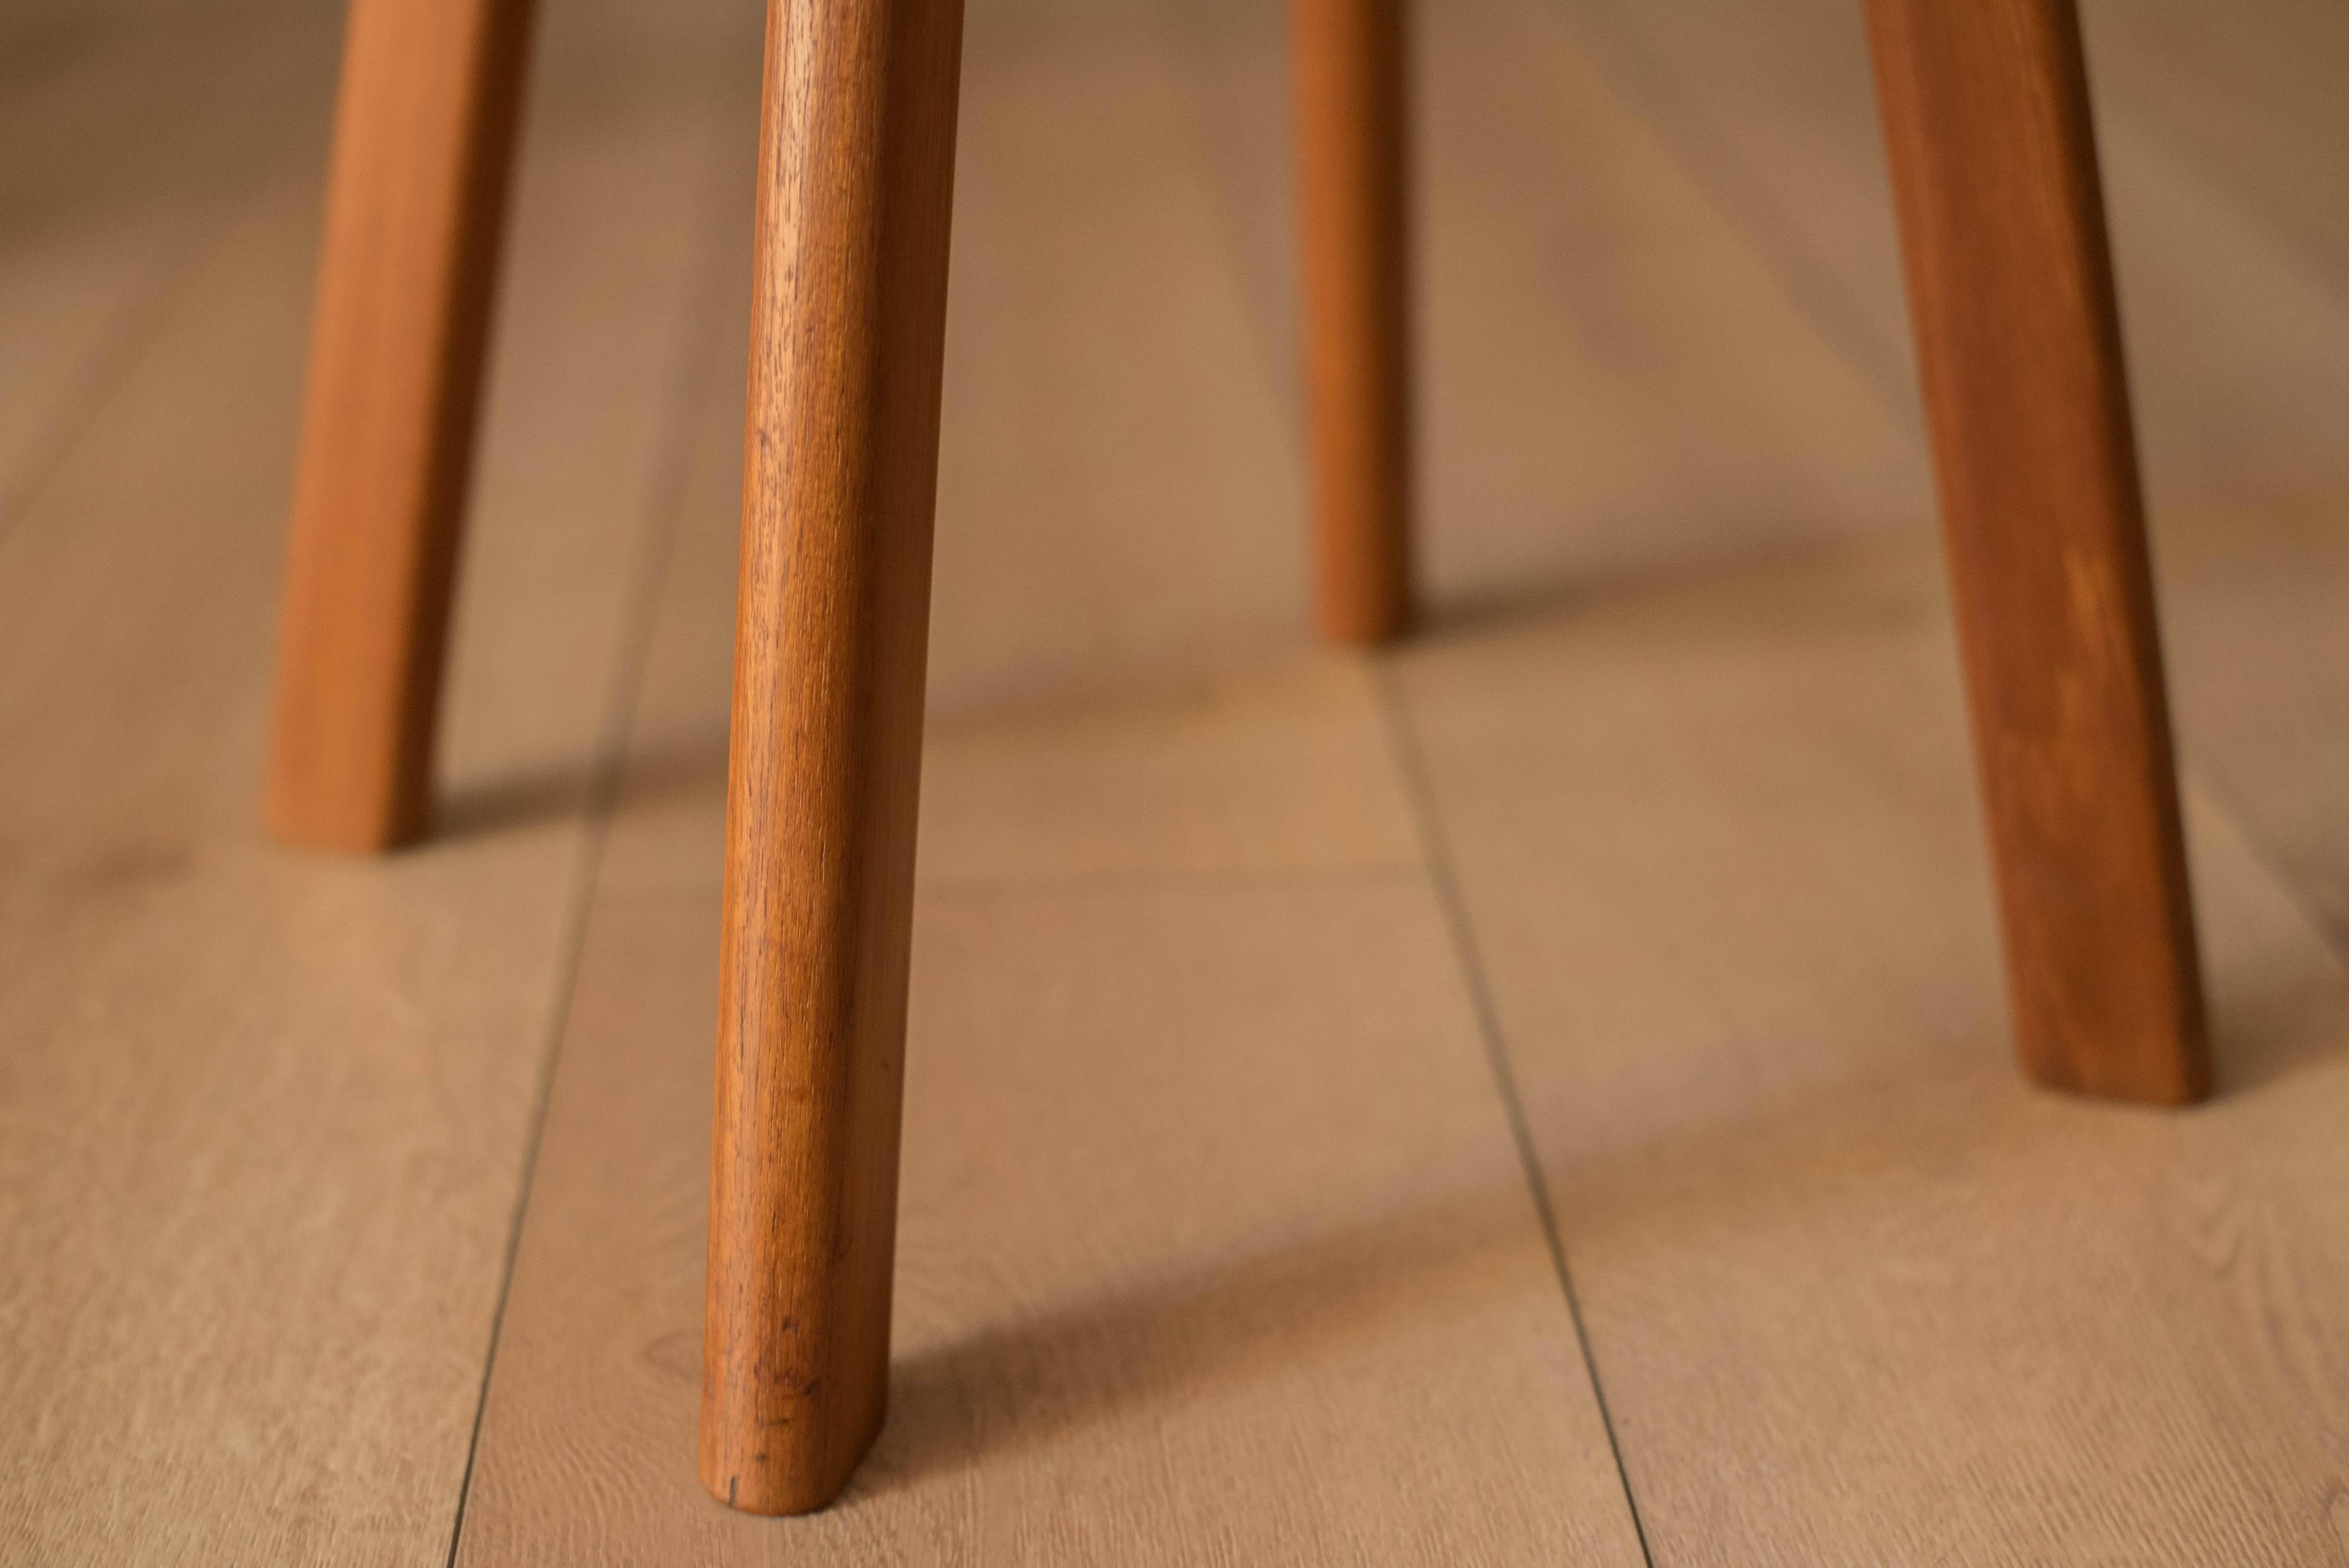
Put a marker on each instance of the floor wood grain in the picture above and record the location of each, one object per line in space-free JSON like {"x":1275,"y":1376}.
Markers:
{"x":1214,"y":1334}
{"x":1823,"y":1234}
{"x":1214,"y":1250}
{"x":266,"y":1114}
{"x":129,"y":148}
{"x":1231,"y":957}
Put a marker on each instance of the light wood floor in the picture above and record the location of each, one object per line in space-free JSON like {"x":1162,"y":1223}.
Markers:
{"x":1288,"y":1028}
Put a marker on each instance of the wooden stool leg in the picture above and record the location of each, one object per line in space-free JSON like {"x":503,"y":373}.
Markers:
{"x":423,"y":141}
{"x":1986,"y":115}
{"x":1352,"y":157}
{"x":840,"y":476}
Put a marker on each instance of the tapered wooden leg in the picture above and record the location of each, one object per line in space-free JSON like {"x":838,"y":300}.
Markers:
{"x":423,"y":141}
{"x":1986,"y":115}
{"x":1351,"y":131}
{"x":840,"y":470}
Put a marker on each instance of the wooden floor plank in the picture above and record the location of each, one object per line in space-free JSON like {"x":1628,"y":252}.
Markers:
{"x":1214,"y":1244}
{"x":1119,"y":488}
{"x":263,"y":1115}
{"x":1615,"y":382}
{"x":1212,"y":1249}
{"x":1719,"y":848}
{"x":1856,"y":1294}
{"x":131,"y":138}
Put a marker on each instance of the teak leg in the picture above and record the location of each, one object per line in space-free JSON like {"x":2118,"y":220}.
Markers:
{"x":840,"y":475}
{"x":1994,"y":160}
{"x":424,"y":137}
{"x":1353,"y":152}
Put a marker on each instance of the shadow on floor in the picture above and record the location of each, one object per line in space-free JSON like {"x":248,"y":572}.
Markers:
{"x":1045,"y":1380}
{"x":526,"y":799}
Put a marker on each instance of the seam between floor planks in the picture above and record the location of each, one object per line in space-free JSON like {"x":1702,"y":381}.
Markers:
{"x":699,"y":380}
{"x":104,"y":371}
{"x":263,"y":212}
{"x":1435,"y":851}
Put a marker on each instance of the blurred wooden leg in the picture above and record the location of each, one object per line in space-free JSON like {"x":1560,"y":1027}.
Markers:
{"x":840,"y":470}
{"x":1986,"y":116}
{"x":424,"y":139}
{"x":1352,"y":129}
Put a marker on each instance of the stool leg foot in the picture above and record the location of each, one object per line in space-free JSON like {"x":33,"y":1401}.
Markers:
{"x":424,"y":138}
{"x":1352,"y":153}
{"x":1994,"y":166}
{"x":839,"y":471}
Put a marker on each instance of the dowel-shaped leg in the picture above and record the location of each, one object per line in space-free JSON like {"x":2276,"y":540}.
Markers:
{"x":840,"y":475}
{"x":1993,"y":161}
{"x":423,"y":140}
{"x":1352,"y":154}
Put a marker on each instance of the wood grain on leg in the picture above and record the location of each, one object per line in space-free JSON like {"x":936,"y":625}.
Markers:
{"x":1995,"y":168}
{"x":1353,"y":154}
{"x":423,"y":141}
{"x":840,"y":474}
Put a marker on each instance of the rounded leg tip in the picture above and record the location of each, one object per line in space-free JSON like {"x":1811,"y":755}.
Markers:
{"x":787,"y":1469}
{"x":770,"y":1491}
